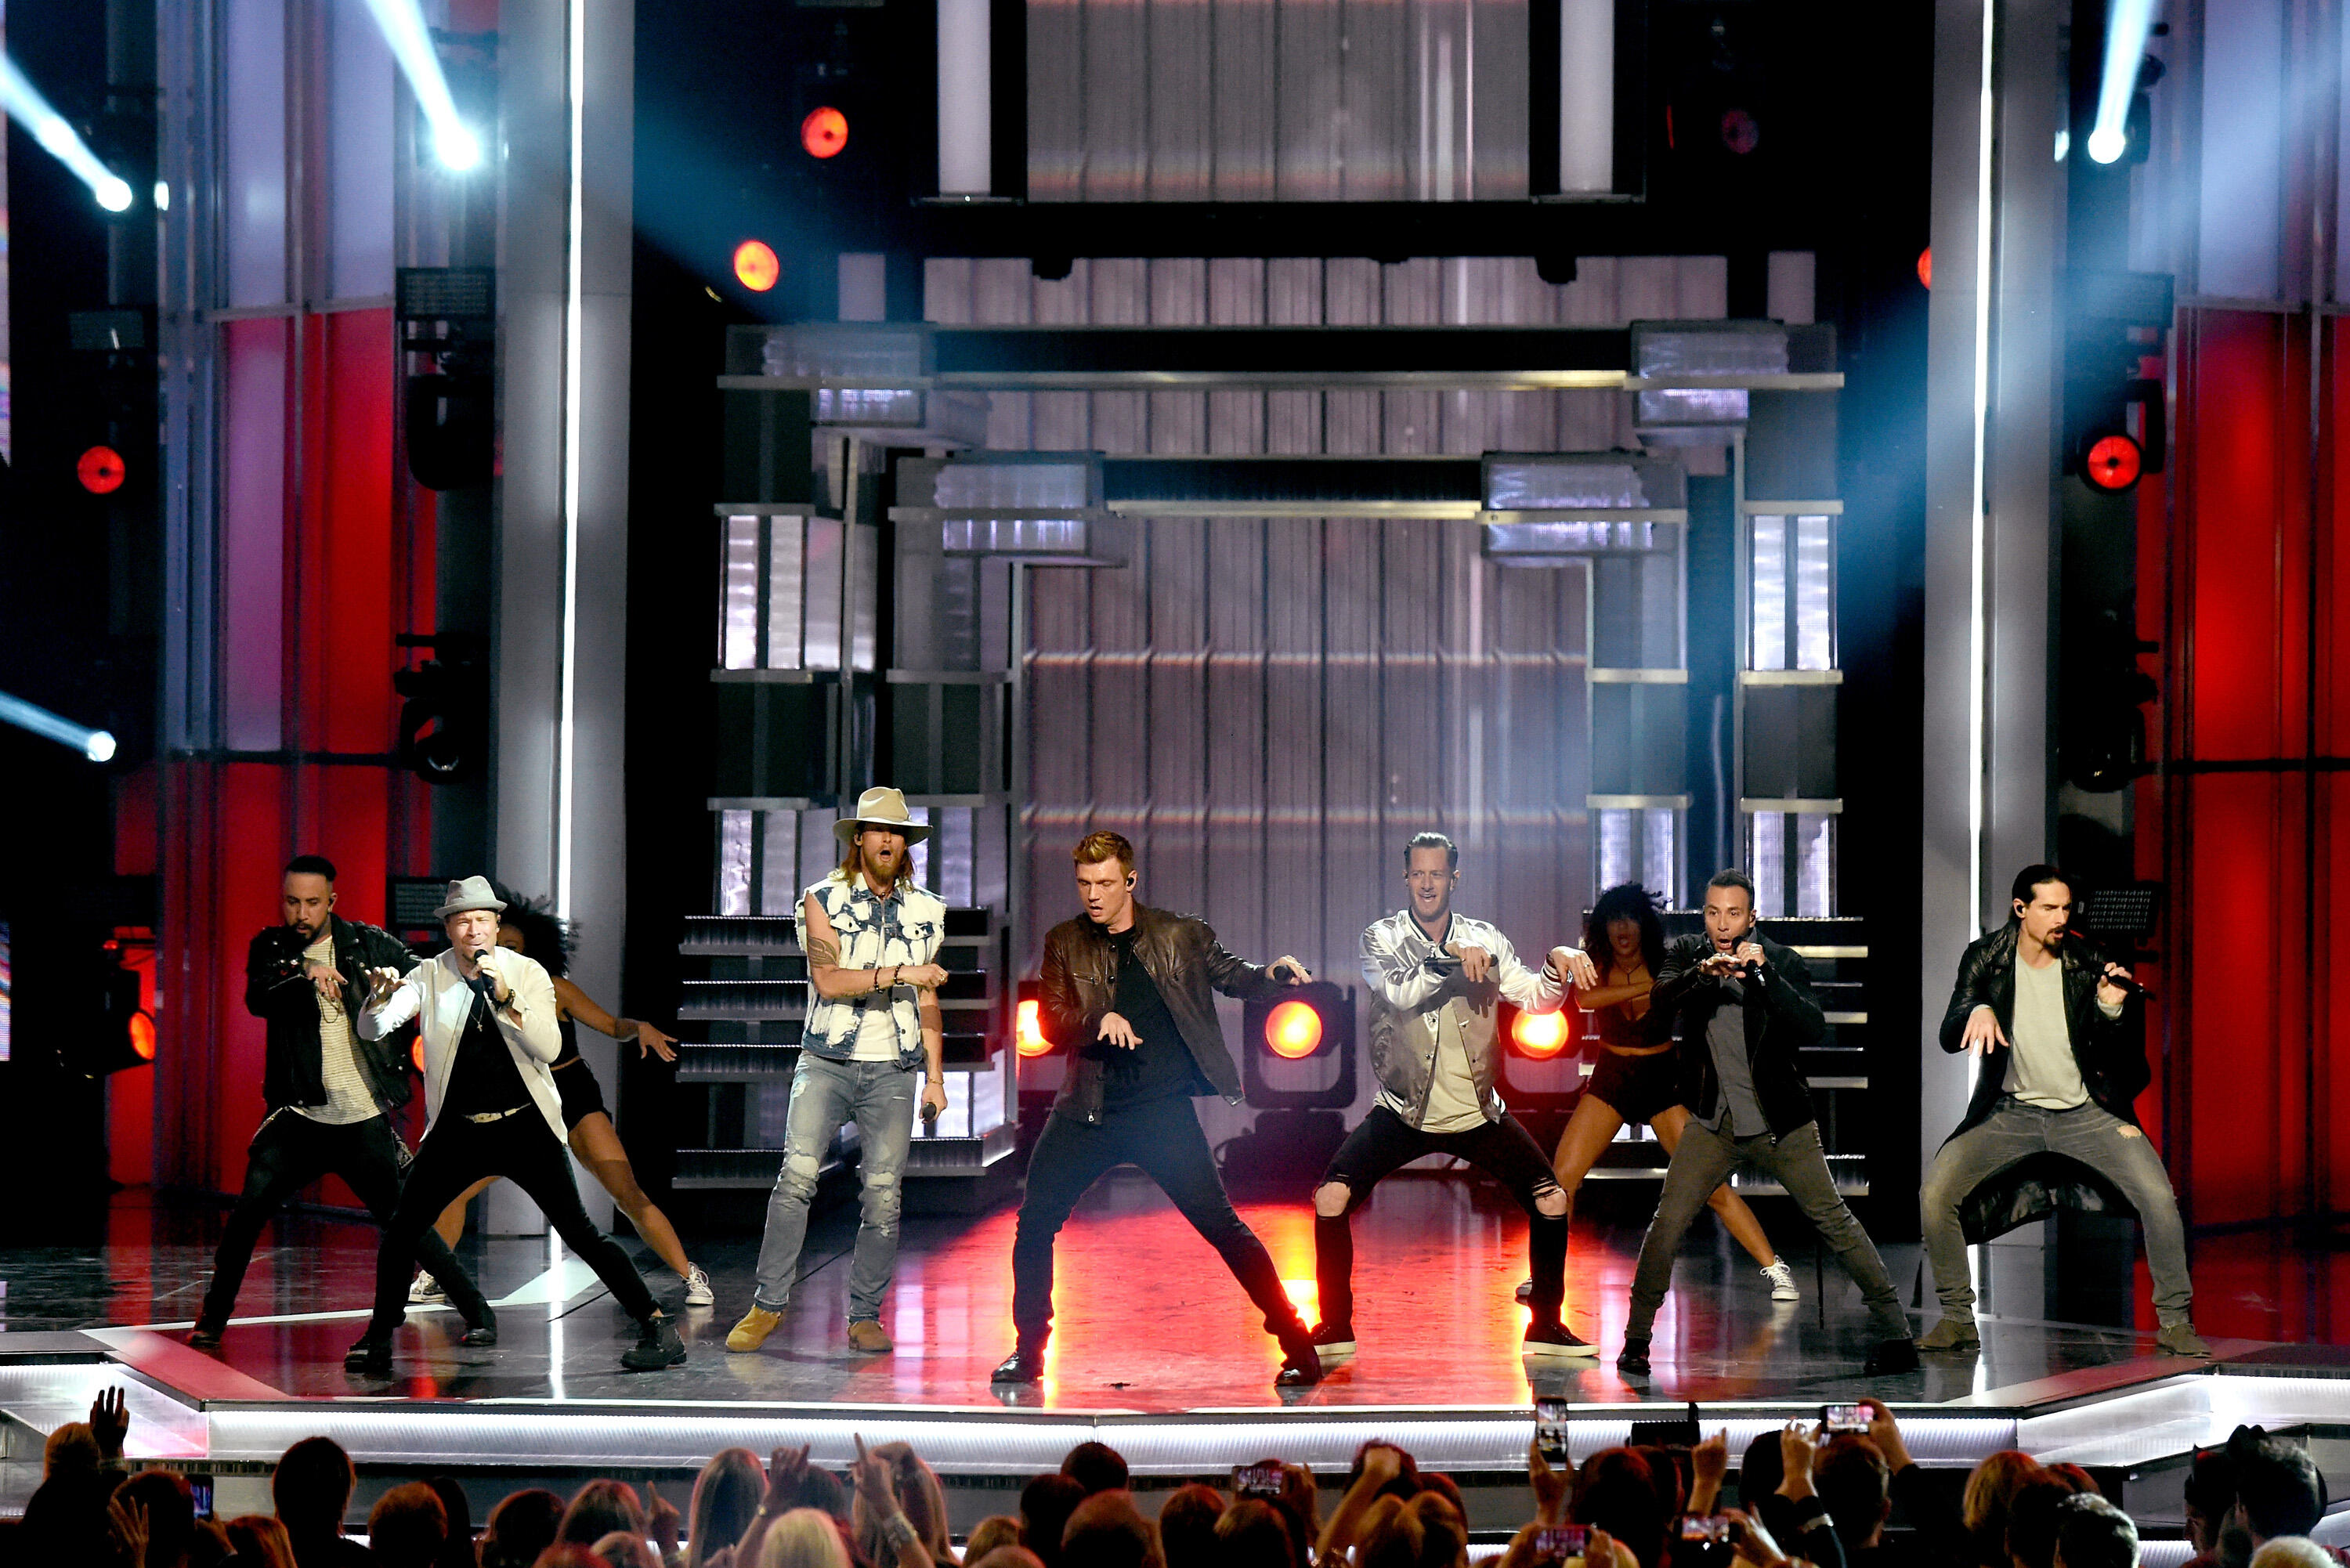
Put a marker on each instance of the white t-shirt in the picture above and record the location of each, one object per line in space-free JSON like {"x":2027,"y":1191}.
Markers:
{"x":1453,"y":1105}
{"x":877,"y":1036}
{"x":347,"y":1099}
{"x":2040,"y":1068}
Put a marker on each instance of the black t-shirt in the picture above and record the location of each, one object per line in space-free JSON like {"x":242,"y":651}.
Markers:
{"x":1162,"y":1065}
{"x":485,"y":1078}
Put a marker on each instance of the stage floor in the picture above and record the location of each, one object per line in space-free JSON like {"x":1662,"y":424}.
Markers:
{"x":1148,"y":1318}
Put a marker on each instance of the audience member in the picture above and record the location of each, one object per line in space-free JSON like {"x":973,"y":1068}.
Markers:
{"x":912,"y":1491}
{"x":1381,"y":1471}
{"x":1990,"y":1489}
{"x":2293,"y":1551}
{"x":569,"y":1554}
{"x":1106,"y":1532}
{"x":2278,"y":1490}
{"x":260,"y":1542}
{"x":622,"y":1550}
{"x":407,"y":1526}
{"x":1426,"y":1533}
{"x":311,"y":1489}
{"x":599,"y":1509}
{"x":71,"y":1448}
{"x":1615,"y":1491}
{"x":726,"y":1500}
{"x":457,"y":1546}
{"x":1096,"y":1466}
{"x":2033,"y":1516}
{"x":1254,"y":1532}
{"x":2211,"y":1491}
{"x":803,"y":1538}
{"x":2094,"y":1534}
{"x":996,"y":1530}
{"x":521,"y":1527}
{"x":1187,"y":1526}
{"x":170,"y":1506}
{"x":1855,"y":1483}
{"x":1046,"y":1505}
{"x":1759,"y":1474}
{"x":1008,"y":1557}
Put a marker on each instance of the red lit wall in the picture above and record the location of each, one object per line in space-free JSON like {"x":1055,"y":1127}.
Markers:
{"x":2243,"y":584}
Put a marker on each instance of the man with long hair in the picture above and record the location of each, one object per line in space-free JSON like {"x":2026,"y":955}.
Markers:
{"x":2068,"y":1019}
{"x":1437,"y":979}
{"x":1128,"y":989}
{"x":327,"y":1087}
{"x":1637,"y":1078}
{"x":871,"y":935}
{"x":1746,"y":1011}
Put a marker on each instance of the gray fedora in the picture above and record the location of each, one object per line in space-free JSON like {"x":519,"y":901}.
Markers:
{"x":881,"y":807}
{"x":467,"y":894}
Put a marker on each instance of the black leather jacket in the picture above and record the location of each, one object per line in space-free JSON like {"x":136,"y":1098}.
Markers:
{"x":1782,"y":1018}
{"x":1184,"y":960}
{"x":276,"y":993}
{"x":2110,"y":1053}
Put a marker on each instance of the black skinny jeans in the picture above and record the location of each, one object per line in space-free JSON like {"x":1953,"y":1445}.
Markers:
{"x":1383,"y":1143}
{"x":289,"y":1152}
{"x":456,"y":1154}
{"x":1163,"y":1137}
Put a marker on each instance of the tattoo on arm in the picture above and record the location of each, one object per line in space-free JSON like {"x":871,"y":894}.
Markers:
{"x":823,"y":954}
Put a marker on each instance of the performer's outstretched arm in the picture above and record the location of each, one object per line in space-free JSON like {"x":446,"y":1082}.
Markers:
{"x":1531,"y":990}
{"x":1400,"y":982}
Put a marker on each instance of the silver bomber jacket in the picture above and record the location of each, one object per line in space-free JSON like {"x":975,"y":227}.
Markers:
{"x":1409,"y":990}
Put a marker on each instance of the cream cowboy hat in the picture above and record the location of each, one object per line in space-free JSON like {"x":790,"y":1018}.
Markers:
{"x":881,"y":807}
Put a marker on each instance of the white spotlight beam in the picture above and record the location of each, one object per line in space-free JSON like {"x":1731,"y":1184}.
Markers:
{"x":2127,"y":27}
{"x":402,"y":23}
{"x":24,"y":103}
{"x":95,"y":744}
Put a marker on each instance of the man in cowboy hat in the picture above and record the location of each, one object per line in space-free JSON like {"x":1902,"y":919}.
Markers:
{"x":488,"y":1024}
{"x":872,"y":937}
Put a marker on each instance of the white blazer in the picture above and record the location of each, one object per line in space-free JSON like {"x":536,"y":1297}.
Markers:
{"x":437,"y":993}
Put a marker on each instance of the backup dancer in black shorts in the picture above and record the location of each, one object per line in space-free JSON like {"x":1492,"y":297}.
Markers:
{"x":1634,"y":1079}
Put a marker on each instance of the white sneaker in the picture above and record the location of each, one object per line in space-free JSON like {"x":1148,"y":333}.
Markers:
{"x":1783,"y":1281}
{"x":697,"y":1287}
{"x":425,"y":1291}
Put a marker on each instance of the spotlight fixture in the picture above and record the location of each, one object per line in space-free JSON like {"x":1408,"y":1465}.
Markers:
{"x":1030,"y":1028}
{"x":1300,"y":1048}
{"x":24,"y":104}
{"x":2113,"y":462}
{"x":404,"y":28}
{"x":824,"y":132}
{"x":101,"y":470}
{"x":456,"y":147}
{"x":756,"y":267}
{"x":96,"y":744}
{"x":1539,"y":1037}
{"x":2106,"y":143}
{"x":2127,"y":27}
{"x":1292,"y":1031}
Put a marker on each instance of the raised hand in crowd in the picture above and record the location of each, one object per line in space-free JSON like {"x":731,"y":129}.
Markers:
{"x":1708,"y":1465}
{"x":110,"y":1422}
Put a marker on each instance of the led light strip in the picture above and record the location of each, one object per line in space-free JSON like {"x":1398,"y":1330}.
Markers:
{"x":574,"y":375}
{"x":1978,"y":520}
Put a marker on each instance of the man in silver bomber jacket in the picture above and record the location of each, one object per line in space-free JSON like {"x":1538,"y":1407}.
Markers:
{"x":1436,"y":981}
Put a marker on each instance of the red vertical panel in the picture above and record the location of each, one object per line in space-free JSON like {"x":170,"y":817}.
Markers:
{"x":360,"y":572}
{"x":250,"y":860}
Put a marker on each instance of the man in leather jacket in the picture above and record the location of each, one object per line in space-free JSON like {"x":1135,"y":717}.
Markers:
{"x":2074,"y":1041}
{"x":1128,"y":989}
{"x":328,"y":1091}
{"x":1745,"y":1008}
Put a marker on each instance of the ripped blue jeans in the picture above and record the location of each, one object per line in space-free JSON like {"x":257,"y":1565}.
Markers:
{"x":879,"y":1096}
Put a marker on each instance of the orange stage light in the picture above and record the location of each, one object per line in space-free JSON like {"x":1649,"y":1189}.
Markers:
{"x":416,"y":1053}
{"x":1540,"y":1035}
{"x":1925,"y":266}
{"x":1030,"y":1029}
{"x":142,"y":1036}
{"x":2114,"y":463}
{"x":1293,"y":1031}
{"x":824,"y":132}
{"x":755,"y":266}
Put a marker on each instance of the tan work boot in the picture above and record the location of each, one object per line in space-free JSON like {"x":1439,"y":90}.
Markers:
{"x":2180,"y":1339}
{"x":1951,"y":1334}
{"x":753,"y":1331}
{"x":867,"y":1335}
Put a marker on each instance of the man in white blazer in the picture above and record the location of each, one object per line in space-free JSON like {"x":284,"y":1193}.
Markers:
{"x":488,"y":1026}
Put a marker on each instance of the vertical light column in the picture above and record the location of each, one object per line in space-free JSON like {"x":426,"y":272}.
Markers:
{"x":966,"y":98}
{"x":1586,"y":96}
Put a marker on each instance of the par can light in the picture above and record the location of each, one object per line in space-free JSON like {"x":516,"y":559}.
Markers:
{"x":2114,"y":462}
{"x":101,"y":470}
{"x":1030,"y":1029}
{"x":824,"y":132}
{"x":756,"y":267}
{"x":1292,"y":1031}
{"x":1539,"y":1036}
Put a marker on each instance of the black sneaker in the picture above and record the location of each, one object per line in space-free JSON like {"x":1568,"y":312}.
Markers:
{"x":657,"y":1347}
{"x":1890,"y":1357}
{"x":1335,"y":1339}
{"x":1302,"y":1368}
{"x":484,"y":1334}
{"x":204,"y":1336}
{"x":1555,"y":1339}
{"x":1025,"y":1365}
{"x":1632,"y":1361}
{"x":370,"y":1358}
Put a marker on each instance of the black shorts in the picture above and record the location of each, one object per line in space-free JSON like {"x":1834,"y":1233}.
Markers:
{"x":1638,"y":1088}
{"x":583,"y":1097}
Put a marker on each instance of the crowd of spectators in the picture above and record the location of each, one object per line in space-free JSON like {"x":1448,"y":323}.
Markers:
{"x":1803,"y":1497}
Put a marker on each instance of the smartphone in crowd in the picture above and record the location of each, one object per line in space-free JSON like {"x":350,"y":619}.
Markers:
{"x":201,"y":1489}
{"x":1549,"y":1428}
{"x":1703,"y":1541}
{"x":1561,"y":1545}
{"x":1837,"y":1419}
{"x":1258,"y":1481}
{"x":1705,"y":1527}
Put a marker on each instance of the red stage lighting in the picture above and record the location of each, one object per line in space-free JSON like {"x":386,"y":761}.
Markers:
{"x":142,"y":1036}
{"x":1539,"y":1036}
{"x":1925,"y":266}
{"x":1030,"y":1029}
{"x":415,"y":1052}
{"x":824,"y":132}
{"x":755,"y":266}
{"x":101,"y":470}
{"x":2114,"y":462}
{"x":1292,"y":1031}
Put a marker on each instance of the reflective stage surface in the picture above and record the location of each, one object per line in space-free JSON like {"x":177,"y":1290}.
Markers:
{"x":1155,"y":1346}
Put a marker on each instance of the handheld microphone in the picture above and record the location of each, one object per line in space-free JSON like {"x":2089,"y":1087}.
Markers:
{"x":2128,"y":982}
{"x":483,"y":984}
{"x":1282,"y":973}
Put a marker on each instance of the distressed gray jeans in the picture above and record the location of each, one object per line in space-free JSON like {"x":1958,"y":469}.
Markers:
{"x":879,"y":1096}
{"x":2089,"y":1133}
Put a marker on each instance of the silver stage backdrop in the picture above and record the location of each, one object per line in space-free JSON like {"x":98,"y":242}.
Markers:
{"x":1270,"y":707}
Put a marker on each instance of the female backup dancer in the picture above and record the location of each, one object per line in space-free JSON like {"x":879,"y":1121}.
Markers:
{"x":530,"y":930}
{"x":1635,"y":1080}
